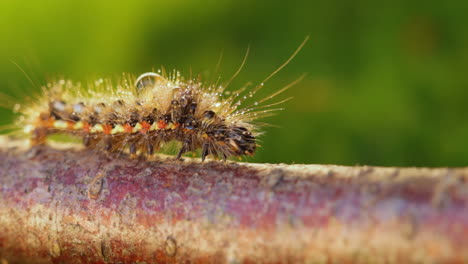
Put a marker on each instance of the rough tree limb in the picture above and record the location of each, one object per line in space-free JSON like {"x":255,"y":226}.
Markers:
{"x":72,"y":206}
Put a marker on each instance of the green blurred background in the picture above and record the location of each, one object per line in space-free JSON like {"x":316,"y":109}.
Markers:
{"x":386,"y":84}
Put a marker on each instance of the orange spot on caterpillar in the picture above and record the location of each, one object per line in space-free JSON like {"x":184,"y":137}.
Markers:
{"x":86,"y":127}
{"x":162,"y":124}
{"x":47,"y":123}
{"x":145,"y":127}
{"x":128,"y":128}
{"x":70,"y":125}
{"x":189,"y":131}
{"x":107,"y":129}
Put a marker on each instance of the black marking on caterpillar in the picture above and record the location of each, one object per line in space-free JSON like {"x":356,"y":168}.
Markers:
{"x":144,"y":114}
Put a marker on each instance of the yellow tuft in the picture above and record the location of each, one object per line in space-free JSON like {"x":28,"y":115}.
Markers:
{"x":60,"y":124}
{"x":118,"y":129}
{"x":78,"y":126}
{"x":97,"y":128}
{"x":137,"y":128}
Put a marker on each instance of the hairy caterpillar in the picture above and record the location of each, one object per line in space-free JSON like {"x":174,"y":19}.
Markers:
{"x":141,"y":114}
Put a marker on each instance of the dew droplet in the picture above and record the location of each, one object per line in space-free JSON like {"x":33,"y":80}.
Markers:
{"x":147,"y":80}
{"x":16,"y":108}
{"x":78,"y":108}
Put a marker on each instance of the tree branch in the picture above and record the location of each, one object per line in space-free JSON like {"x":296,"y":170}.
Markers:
{"x":67,"y":204}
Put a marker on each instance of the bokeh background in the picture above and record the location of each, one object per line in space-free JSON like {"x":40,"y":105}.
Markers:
{"x":386,"y":84}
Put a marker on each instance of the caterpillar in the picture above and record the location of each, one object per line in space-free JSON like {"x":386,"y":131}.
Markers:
{"x":141,"y":114}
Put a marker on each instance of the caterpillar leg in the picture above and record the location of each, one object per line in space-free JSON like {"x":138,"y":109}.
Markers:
{"x":132,"y":149}
{"x":86,"y":140}
{"x":149,"y":148}
{"x":185,"y":148}
{"x":205,"y":151}
{"x":107,"y":143}
{"x":39,"y":136}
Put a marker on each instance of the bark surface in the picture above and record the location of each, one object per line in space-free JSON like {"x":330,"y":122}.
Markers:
{"x":65,"y":204}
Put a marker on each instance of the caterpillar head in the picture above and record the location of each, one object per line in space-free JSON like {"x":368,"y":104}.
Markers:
{"x":240,"y":140}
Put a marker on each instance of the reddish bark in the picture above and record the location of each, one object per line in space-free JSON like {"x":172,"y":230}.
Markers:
{"x":73,"y":206}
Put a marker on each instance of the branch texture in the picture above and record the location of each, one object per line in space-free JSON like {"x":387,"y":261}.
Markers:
{"x":70,"y":205}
